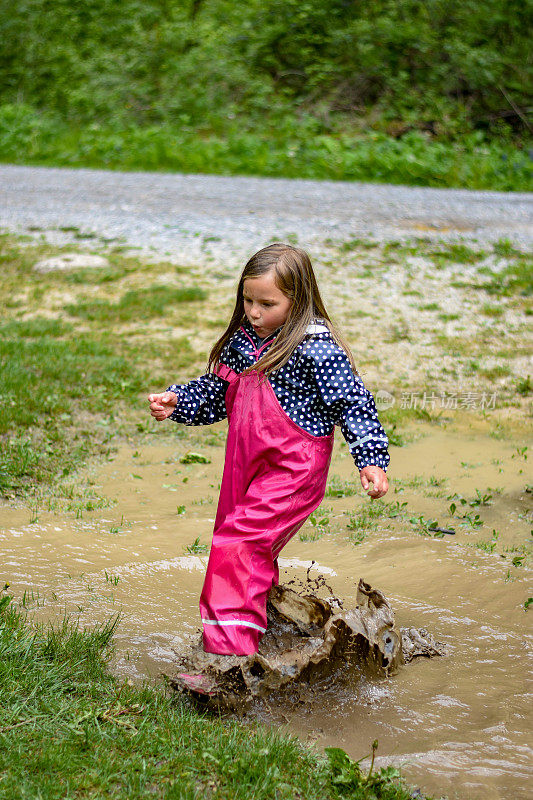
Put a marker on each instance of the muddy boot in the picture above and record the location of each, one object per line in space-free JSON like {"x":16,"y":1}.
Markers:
{"x":196,"y":683}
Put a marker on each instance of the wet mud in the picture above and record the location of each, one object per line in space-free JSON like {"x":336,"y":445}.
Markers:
{"x":310,"y":644}
{"x":308,"y":640}
{"x":457,"y":725}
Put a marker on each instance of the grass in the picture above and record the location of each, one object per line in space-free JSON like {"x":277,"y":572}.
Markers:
{"x":319,"y":524}
{"x":524,"y":386}
{"x":52,"y":384}
{"x":336,"y":487}
{"x":28,"y":136}
{"x":196,"y":547}
{"x":366,"y":518}
{"x":151,"y":302}
{"x":456,"y":254}
{"x":516,"y":278}
{"x":69,"y":729}
{"x":492,"y":311}
{"x":67,"y":391}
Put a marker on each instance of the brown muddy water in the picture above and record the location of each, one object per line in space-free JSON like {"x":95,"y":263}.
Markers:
{"x":458,"y":726}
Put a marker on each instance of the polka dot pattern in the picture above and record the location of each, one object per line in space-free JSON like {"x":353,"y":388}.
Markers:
{"x":317,"y":389}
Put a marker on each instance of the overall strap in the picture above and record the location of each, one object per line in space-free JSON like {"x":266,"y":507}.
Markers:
{"x":226,"y":373}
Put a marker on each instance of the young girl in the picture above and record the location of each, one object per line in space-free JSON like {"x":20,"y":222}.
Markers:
{"x":283,"y":377}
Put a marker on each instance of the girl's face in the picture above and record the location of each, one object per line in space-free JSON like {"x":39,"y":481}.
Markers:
{"x":265,"y":305}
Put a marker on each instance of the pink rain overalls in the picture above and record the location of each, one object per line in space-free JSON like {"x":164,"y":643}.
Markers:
{"x":274,"y":477}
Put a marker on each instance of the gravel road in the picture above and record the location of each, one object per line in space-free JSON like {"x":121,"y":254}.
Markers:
{"x":205,"y":217}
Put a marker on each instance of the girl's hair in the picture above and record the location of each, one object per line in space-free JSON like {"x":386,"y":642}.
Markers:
{"x":294,"y":276}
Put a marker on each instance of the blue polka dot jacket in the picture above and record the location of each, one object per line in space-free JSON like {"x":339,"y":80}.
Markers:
{"x":316,"y":388}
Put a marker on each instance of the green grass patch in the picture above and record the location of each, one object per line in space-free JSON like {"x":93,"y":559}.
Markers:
{"x":52,"y":382}
{"x":366,"y":518}
{"x":515,"y":279}
{"x":493,"y":373}
{"x":492,"y":311}
{"x":504,"y":248}
{"x":357,"y":244}
{"x":69,"y":729}
{"x":336,"y":487}
{"x":456,"y":254}
{"x":67,"y":393}
{"x":524,"y":386}
{"x":448,"y":317}
{"x":136,"y":304}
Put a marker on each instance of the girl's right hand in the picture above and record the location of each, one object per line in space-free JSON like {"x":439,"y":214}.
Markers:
{"x":162,"y":405}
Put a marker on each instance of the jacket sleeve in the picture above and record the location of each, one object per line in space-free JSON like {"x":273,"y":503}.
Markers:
{"x":200,"y":402}
{"x":352,"y":407}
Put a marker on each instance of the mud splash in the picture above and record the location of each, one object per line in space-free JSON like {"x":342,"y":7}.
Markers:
{"x":308,"y":640}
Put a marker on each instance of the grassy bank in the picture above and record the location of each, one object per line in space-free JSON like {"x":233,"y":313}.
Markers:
{"x":285,"y":147}
{"x":68,"y":729}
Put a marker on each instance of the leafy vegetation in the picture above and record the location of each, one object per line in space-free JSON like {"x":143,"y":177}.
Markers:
{"x":396,"y":90}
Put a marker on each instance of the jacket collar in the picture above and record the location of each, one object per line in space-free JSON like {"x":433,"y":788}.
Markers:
{"x":317,"y":326}
{"x":249,"y":329}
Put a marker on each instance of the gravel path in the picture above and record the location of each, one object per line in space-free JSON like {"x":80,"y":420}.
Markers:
{"x":222,"y":219}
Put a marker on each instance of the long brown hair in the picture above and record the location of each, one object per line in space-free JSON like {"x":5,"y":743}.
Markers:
{"x":294,"y":276}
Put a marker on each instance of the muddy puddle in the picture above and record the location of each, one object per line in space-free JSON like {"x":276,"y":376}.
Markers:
{"x":458,"y":725}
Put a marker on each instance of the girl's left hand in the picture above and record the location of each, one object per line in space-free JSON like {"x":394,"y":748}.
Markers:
{"x":377,"y":477}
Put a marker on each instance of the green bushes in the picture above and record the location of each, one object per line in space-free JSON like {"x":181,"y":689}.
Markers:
{"x":403,"y":91}
{"x":289,"y":150}
{"x":436,"y":65}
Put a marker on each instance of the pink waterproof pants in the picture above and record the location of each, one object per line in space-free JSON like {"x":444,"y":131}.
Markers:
{"x":274,"y":476}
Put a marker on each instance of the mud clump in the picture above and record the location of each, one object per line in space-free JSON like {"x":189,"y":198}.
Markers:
{"x":308,"y":639}
{"x":419,"y":642}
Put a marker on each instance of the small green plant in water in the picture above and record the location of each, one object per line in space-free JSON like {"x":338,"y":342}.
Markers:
{"x":488,"y":545}
{"x":112,"y":579}
{"x":521,"y":452}
{"x":339,"y":488}
{"x":472,"y":521}
{"x":396,"y":509}
{"x":194,"y":458}
{"x":319,"y":522}
{"x":196,"y":547}
{"x":481,"y":499}
{"x":430,"y":527}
